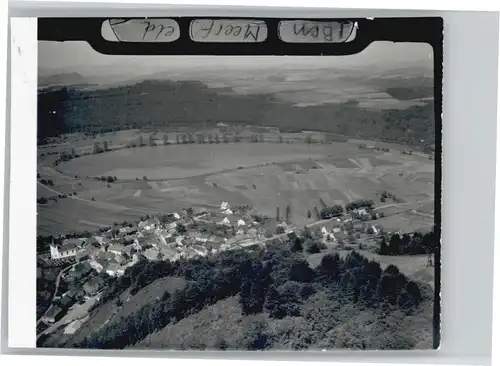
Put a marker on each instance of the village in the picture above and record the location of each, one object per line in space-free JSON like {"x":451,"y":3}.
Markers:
{"x":86,"y":261}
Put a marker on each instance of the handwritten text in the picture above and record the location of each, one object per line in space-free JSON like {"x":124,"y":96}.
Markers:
{"x":212,"y":30}
{"x":304,"y":31}
{"x":146,"y":30}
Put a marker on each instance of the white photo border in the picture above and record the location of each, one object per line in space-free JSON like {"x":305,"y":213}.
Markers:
{"x":477,"y":147}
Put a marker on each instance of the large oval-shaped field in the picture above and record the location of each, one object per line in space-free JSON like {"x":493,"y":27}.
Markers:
{"x":182,"y":161}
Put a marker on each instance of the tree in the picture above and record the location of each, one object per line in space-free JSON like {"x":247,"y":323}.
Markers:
{"x":306,"y":233}
{"x":390,"y":284}
{"x":271,"y":303}
{"x":42,"y":200}
{"x":330,"y":266}
{"x":394,"y":244}
{"x":96,"y":149}
{"x":414,"y":291}
{"x":313,"y":246}
{"x":331,"y":211}
{"x":190,"y":214}
{"x":300,"y":271}
{"x":255,"y":281}
{"x":181,"y":228}
{"x":255,"y":337}
{"x":221,"y":344}
{"x":297,"y":245}
{"x":288,"y":212}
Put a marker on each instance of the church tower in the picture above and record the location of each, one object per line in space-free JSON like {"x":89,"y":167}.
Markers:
{"x":54,"y":250}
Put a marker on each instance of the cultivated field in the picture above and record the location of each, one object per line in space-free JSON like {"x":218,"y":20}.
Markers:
{"x":263,"y":175}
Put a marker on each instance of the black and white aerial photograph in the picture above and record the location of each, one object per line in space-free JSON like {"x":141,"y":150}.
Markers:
{"x":209,"y":202}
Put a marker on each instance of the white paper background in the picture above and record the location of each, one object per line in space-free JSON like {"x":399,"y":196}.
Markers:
{"x":468,"y":152}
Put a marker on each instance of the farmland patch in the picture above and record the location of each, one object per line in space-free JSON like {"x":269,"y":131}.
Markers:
{"x":377,"y":161}
{"x":343,"y":163}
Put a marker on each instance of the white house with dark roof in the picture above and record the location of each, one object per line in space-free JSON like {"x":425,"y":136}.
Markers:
{"x":201,"y":237}
{"x":149,"y":224}
{"x":98,"y":264}
{"x":152,"y":254}
{"x":114,"y":269}
{"x":116,"y":249}
{"x":164,"y":236}
{"x":69,"y":248}
{"x":225,"y":221}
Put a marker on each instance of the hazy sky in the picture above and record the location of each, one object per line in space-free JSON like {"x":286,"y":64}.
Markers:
{"x":58,"y":57}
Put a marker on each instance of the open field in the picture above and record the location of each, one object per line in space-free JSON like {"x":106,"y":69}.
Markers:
{"x":72,"y":214}
{"x":263,"y":175}
{"x":162,"y":162}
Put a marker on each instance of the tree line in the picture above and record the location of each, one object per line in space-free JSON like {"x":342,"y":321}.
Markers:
{"x":415,"y":243}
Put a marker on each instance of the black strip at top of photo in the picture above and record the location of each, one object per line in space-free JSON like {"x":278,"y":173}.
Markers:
{"x":404,"y":29}
{"x":424,"y":29}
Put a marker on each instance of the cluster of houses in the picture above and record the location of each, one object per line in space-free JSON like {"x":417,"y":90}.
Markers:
{"x":339,"y":231}
{"x":114,"y":250}
{"x":202,"y":233}
{"x":77,"y":294}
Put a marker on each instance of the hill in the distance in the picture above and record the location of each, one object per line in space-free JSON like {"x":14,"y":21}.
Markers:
{"x":63,"y":79}
{"x":170,"y":104}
